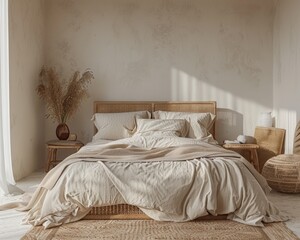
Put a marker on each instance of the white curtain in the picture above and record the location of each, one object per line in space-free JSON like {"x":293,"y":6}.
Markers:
{"x":6,"y":173}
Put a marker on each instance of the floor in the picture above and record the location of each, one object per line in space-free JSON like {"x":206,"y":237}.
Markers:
{"x":12,"y":229}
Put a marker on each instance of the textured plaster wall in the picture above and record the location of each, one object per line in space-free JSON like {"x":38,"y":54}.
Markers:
{"x":287,"y":67}
{"x":167,"y":50}
{"x":26,"y":53}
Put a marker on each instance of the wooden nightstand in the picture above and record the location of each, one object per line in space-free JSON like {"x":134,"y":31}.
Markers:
{"x":251,"y":148}
{"x":54,"y":145}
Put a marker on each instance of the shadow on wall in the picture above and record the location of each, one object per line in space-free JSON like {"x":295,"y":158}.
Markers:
{"x":229,"y":123}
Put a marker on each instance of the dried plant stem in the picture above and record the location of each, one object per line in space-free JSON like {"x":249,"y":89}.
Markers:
{"x":62,"y":99}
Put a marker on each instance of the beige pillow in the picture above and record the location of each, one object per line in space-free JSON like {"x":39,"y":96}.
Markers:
{"x":199,"y":124}
{"x":168,"y":127}
{"x":113,"y":126}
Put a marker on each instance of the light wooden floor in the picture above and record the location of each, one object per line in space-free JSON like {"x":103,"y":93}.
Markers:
{"x":11,"y":228}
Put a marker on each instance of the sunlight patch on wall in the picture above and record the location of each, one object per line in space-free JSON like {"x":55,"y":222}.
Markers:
{"x":244,"y":112}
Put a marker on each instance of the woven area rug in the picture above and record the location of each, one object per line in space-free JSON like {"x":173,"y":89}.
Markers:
{"x":149,"y":229}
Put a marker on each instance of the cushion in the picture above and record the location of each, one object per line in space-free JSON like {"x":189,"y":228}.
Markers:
{"x":113,"y":126}
{"x":168,"y":127}
{"x":199,"y":124}
{"x":282,"y":173}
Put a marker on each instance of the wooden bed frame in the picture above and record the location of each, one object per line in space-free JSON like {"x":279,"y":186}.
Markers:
{"x":125,"y":211}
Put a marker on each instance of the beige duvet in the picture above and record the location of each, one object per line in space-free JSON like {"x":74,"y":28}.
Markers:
{"x":168,"y":178}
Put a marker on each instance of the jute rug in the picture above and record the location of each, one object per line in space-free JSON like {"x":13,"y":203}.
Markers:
{"x":149,"y":229}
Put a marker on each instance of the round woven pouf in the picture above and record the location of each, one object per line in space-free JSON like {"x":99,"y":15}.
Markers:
{"x":283,"y":173}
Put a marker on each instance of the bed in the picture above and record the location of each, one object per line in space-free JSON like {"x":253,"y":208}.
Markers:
{"x":163,"y":164}
{"x":125,"y":211}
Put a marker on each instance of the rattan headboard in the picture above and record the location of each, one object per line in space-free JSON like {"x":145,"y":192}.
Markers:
{"x":111,"y":107}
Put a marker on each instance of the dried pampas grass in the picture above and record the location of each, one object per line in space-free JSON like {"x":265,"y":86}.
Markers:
{"x":62,"y":98}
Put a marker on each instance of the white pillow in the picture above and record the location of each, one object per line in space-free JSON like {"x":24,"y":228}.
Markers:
{"x":113,"y":126}
{"x":169,"y":127}
{"x":199,"y":124}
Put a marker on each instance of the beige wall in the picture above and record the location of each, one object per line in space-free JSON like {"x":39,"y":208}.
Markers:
{"x":26,"y":40}
{"x":287,"y":67}
{"x":152,"y":50}
{"x":167,"y":50}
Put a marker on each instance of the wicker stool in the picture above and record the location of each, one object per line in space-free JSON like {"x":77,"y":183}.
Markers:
{"x":283,"y":173}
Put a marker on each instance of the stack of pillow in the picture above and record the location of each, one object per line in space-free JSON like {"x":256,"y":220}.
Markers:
{"x":114,"y":126}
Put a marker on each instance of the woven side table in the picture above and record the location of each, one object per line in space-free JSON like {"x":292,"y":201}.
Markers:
{"x":283,"y":173}
{"x":54,"y":145}
{"x":252,"y":148}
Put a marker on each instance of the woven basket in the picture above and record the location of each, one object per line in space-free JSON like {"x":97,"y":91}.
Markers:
{"x":283,"y":173}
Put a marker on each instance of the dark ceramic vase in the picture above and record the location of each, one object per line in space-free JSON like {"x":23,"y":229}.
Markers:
{"x":62,"y":131}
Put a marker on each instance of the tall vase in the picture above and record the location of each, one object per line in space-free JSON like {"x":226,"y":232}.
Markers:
{"x":62,"y":131}
{"x":265,"y":119}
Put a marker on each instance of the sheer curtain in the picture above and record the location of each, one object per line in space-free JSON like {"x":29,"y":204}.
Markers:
{"x":6,"y":173}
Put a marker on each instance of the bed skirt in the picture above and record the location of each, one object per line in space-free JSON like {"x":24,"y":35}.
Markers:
{"x":129,"y":212}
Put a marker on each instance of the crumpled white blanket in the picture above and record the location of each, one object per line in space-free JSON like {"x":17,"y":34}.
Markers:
{"x":213,"y":181}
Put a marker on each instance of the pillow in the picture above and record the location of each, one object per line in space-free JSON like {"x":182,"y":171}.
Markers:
{"x":199,"y":124}
{"x":113,"y":126}
{"x":169,"y":127}
{"x":157,"y":134}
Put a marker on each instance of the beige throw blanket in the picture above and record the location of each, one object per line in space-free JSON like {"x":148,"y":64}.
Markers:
{"x":129,"y":153}
{"x":177,"y":183}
